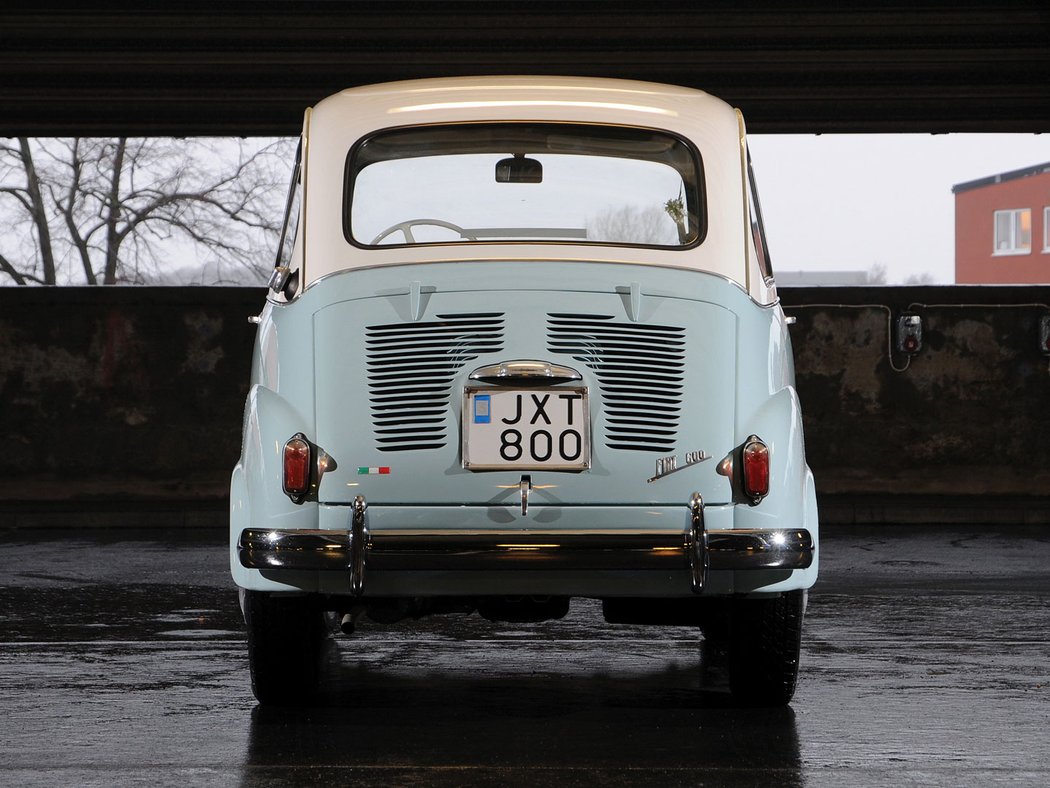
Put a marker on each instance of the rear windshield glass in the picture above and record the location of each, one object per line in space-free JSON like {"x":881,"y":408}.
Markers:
{"x":529,"y":182}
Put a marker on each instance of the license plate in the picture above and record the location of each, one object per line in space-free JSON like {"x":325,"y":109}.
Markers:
{"x":526,"y":429}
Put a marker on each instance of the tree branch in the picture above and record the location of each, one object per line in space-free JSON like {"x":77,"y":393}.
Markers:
{"x":38,"y":212}
{"x":21,"y":278}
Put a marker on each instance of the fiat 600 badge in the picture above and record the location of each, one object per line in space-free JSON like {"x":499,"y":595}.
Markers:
{"x":522,"y":345}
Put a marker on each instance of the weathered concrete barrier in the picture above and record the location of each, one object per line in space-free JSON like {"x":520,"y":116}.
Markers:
{"x":118,"y":394}
{"x":130,"y":399}
{"x":957,"y":432}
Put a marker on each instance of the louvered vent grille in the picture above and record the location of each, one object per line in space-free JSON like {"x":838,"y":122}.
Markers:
{"x":640,"y":372}
{"x":410,"y":371}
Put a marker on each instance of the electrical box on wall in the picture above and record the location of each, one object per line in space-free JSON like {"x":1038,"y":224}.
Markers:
{"x":909,"y":334}
{"x":1044,"y":335}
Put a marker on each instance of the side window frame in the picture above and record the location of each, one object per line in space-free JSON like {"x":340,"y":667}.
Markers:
{"x":284,"y":279}
{"x":758,"y":227}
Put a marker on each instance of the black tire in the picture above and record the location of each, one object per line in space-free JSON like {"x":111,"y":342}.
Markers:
{"x":285,"y":636}
{"x":765,"y":636}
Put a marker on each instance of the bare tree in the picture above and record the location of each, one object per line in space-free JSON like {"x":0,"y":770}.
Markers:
{"x":116,"y":210}
{"x":876,"y":275}
{"x":925,"y":278}
{"x":29,"y":213}
{"x":630,"y":224}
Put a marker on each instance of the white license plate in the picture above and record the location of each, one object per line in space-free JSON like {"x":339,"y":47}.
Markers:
{"x":526,"y":429}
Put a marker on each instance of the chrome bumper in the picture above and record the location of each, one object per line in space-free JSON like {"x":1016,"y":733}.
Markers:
{"x":362,"y":551}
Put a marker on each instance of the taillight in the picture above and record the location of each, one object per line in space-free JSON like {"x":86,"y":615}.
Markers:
{"x":297,"y":461}
{"x":756,"y":469}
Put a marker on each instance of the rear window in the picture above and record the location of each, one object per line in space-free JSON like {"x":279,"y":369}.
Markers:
{"x":524,"y":182}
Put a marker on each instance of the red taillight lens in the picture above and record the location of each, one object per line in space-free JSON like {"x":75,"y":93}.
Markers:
{"x":297,"y":466}
{"x":756,"y":469}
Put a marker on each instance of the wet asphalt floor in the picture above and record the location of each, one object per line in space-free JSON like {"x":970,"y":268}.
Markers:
{"x":925,"y":661}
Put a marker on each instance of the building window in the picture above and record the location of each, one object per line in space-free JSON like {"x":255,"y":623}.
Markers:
{"x":1013,"y":231}
{"x":1046,"y":230}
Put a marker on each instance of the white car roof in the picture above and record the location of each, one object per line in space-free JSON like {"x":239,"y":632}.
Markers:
{"x":335,"y":124}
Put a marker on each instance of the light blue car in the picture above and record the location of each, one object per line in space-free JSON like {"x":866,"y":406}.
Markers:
{"x":523,"y":344}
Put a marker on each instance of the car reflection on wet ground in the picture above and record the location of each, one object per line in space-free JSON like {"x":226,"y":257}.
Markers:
{"x":926,"y":660}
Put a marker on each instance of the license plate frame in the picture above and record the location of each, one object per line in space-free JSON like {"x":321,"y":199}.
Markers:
{"x":561,"y":412}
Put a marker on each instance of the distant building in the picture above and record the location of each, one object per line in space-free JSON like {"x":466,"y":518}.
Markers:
{"x":1002,"y":228}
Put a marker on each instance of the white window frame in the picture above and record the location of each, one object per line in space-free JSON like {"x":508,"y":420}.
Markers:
{"x":1046,"y":230}
{"x":1012,"y":248}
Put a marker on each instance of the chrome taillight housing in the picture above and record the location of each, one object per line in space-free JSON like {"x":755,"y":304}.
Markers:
{"x":298,"y":460}
{"x":755,"y":476}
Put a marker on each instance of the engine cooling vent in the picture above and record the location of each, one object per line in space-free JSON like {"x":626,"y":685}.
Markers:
{"x":410,"y":371}
{"x":640,"y":373}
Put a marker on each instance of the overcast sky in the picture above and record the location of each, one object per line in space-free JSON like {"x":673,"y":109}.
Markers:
{"x":850,"y":201}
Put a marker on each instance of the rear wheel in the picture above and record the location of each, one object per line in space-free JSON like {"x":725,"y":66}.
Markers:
{"x":755,"y":643}
{"x":765,"y":636}
{"x":285,"y":635}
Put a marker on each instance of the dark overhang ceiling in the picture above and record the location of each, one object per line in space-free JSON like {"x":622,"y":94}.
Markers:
{"x":245,"y":68}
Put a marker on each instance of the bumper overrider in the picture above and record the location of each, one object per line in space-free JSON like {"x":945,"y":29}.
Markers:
{"x":361,"y":550}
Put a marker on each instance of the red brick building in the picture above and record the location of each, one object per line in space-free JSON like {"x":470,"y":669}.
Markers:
{"x":1002,"y":228}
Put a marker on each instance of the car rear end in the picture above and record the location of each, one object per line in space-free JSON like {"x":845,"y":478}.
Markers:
{"x":514,"y":439}
{"x":518,"y":361}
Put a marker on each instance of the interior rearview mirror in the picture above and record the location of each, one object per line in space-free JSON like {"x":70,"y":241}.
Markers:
{"x":518,"y":169}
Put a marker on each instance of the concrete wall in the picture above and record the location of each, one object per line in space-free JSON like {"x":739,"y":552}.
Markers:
{"x":131,"y":399}
{"x":957,"y":433}
{"x":122,"y":394}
